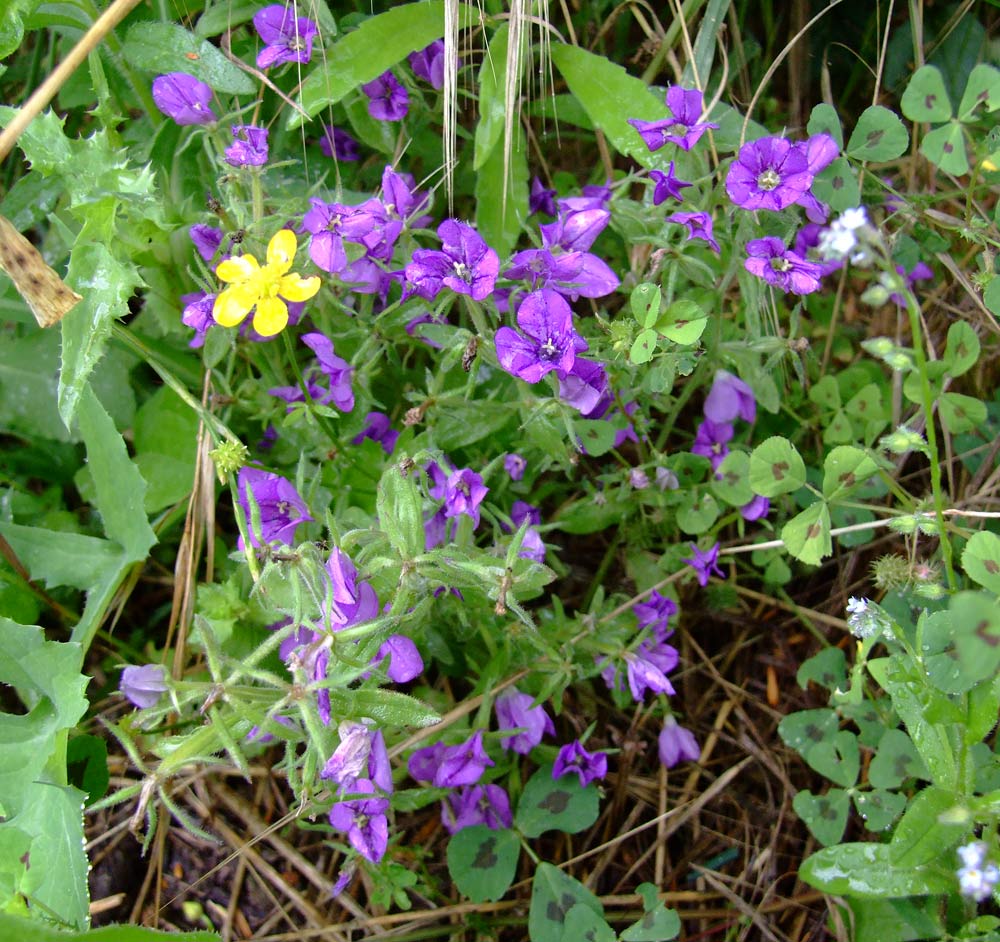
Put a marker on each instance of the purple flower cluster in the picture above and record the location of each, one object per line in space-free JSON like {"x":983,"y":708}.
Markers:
{"x":684,"y":128}
{"x":647,"y":666}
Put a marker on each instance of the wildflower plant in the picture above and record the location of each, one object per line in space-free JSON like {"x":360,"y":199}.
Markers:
{"x":450,"y":471}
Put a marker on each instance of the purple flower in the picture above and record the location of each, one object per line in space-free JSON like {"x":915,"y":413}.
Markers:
{"x":428,"y":63}
{"x":541,"y":199}
{"x":476,"y":804}
{"x":683,"y":129}
{"x":463,"y":764}
{"x":666,"y":479}
{"x":206,"y":239}
{"x":401,"y":199}
{"x":920,"y":272}
{"x":197,"y":313}
{"x":364,"y":822}
{"x":647,"y":672}
{"x":280,"y":508}
{"x":654,"y":614}
{"x":464,"y":263}
{"x":699,"y":226}
{"x":781,"y":267}
{"x":514,"y":465}
{"x":579,"y":224}
{"x":711,"y":441}
{"x":587,"y":765}
{"x":333,"y":223}
{"x":769,"y":173}
{"x":757,"y":509}
{"x":424,"y":763}
{"x":350,"y":602}
{"x":521,"y":511}
{"x":378,"y":430}
{"x":184,"y":98}
{"x":585,"y":386}
{"x":143,"y":686}
{"x":514,"y":710}
{"x":349,"y":761}
{"x":287,"y":38}
{"x":677,"y":744}
{"x":464,"y":492}
{"x":667,"y":185}
{"x":532,"y":546}
{"x":730,"y":397}
{"x":573,"y":274}
{"x":705,"y":563}
{"x":405,"y":661}
{"x":337,"y":371}
{"x":638,"y":479}
{"x":387,"y":99}
{"x":547,"y":342}
{"x":249,"y":147}
{"x":808,"y":237}
{"x":336,"y":142}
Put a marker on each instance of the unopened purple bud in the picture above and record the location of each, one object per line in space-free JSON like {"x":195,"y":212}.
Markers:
{"x":514,"y":465}
{"x":638,"y":478}
{"x":143,"y":686}
{"x":184,"y":98}
{"x":677,"y":744}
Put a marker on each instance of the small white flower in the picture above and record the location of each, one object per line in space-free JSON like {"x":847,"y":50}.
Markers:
{"x":853,"y":218}
{"x":976,"y":876}
{"x":857,"y":606}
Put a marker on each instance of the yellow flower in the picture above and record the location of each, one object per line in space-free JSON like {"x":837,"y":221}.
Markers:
{"x":266,"y":288}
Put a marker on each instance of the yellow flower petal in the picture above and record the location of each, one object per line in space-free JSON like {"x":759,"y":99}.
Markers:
{"x":270,"y":317}
{"x":233,"y":304}
{"x":294,"y":287}
{"x":236,"y":269}
{"x":281,"y":250}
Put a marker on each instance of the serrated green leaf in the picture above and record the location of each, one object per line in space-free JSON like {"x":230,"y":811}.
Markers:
{"x":59,"y":558}
{"x":776,"y":468}
{"x":483,"y":862}
{"x":945,"y":148}
{"x":119,"y":486}
{"x":553,"y":895}
{"x":167,"y":47}
{"x":823,"y":119}
{"x":824,"y":815}
{"x":845,"y":469}
{"x":982,"y":88}
{"x":373,"y":48}
{"x":926,"y":98}
{"x":562,"y":804}
{"x":879,"y":135}
{"x":807,"y":535}
{"x":867,"y":870}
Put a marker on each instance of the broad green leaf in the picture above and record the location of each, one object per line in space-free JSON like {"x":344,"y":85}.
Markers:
{"x":850,"y":516}
{"x":373,"y":48}
{"x":483,"y":862}
{"x":106,"y":283}
{"x":732,"y":479}
{"x":823,"y":119}
{"x":597,"y":437}
{"x":166,"y":432}
{"x":583,"y":923}
{"x":983,"y":88}
{"x":924,"y":834}
{"x":896,"y":920}
{"x":586,"y":516}
{"x":805,"y":729}
{"x":18,"y":929}
{"x":879,"y":808}
{"x":961,"y":413}
{"x":499,"y":218}
{"x":387,"y":707}
{"x":844,"y":470}
{"x":610,"y":97}
{"x":562,"y":804}
{"x":643,"y":347}
{"x":492,"y":97}
{"x":224,"y":16}
{"x":942,"y":659}
{"x":926,"y":98}
{"x":807,"y":535}
{"x":896,"y":759}
{"x":879,"y":135}
{"x":836,"y":758}
{"x":400,"y":512}
{"x":981,"y":559}
{"x":826,"y":393}
{"x":945,"y":148}
{"x":991,"y":294}
{"x":824,"y":815}
{"x":837,"y":184}
{"x":553,"y":895}
{"x":657,"y":923}
{"x":58,"y":558}
{"x":167,"y":47}
{"x":961,"y":349}
{"x":119,"y":485}
{"x":776,"y":468}
{"x":87,"y":766}
{"x":697,"y":512}
{"x":868,"y":870}
{"x":683,"y":322}
{"x":828,"y":668}
{"x":645,"y":301}
{"x":866,"y":404}
{"x":460,"y":422}
{"x":12,"y":24}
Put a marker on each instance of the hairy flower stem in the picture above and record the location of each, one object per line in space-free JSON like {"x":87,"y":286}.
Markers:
{"x":927,"y":401}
